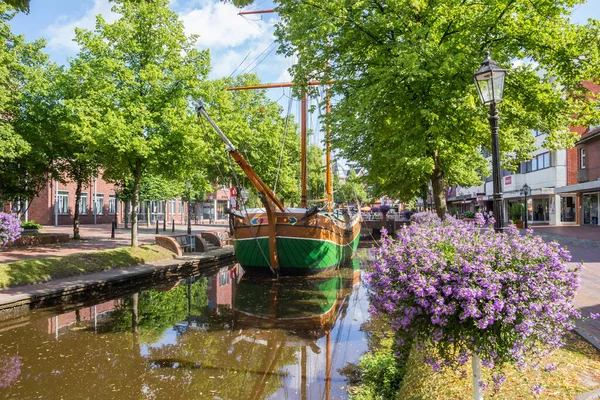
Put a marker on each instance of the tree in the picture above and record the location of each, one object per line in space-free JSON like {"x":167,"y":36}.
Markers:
{"x":143,"y":70}
{"x":351,"y":191}
{"x":27,"y":146}
{"x":408,"y":110}
{"x":315,"y":172}
{"x":21,"y":5}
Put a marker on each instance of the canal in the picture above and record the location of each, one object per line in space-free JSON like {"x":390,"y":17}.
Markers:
{"x":225,"y":335}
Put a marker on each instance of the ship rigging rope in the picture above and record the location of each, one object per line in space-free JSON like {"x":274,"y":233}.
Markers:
{"x":287,"y":118}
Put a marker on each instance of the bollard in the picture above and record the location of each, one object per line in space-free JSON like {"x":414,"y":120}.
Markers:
{"x":157,"y":227}
{"x":173,"y":226}
{"x":164,"y":224}
{"x":112,"y":231}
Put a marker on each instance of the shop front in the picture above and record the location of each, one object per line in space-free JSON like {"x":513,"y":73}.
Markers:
{"x":580,"y":203}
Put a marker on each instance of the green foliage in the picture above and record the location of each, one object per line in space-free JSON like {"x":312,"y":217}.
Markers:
{"x":21,"y":5}
{"x":382,"y":372}
{"x":141,"y":72}
{"x":468,"y":214}
{"x":315,"y":172}
{"x":351,"y":191}
{"x":254,"y":123}
{"x":517,"y":211}
{"x":408,"y":110}
{"x":26,"y":145}
{"x":30,"y":225}
{"x":42,"y":269}
{"x":453,"y":210}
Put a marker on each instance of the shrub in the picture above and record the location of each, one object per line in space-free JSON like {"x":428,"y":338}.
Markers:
{"x":459,"y":290}
{"x":10,"y":230}
{"x":468,"y":214}
{"x":30,"y":225}
{"x":517,"y":211}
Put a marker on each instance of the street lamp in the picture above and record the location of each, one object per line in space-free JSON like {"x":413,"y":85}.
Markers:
{"x":525,"y":191}
{"x":489,"y":80}
{"x":189,"y":188}
{"x":244,"y":195}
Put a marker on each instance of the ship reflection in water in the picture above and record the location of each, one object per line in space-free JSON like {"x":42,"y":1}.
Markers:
{"x":223,"y":336}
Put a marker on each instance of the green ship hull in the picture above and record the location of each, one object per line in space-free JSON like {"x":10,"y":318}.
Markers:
{"x":297,"y":256}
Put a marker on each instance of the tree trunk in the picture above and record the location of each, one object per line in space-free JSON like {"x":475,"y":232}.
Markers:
{"x":76,"y":211}
{"x":437,"y":184}
{"x":135,"y":200}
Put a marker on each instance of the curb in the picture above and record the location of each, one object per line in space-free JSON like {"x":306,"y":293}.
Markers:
{"x":105,"y":283}
{"x":594,"y":395}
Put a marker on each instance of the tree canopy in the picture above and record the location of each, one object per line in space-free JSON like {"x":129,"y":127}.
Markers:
{"x":408,"y":110}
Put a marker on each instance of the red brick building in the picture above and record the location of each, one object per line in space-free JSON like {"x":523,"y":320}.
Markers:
{"x":55,"y":205}
{"x":583,"y":172}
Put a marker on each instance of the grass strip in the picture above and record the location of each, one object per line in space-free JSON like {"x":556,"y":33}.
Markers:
{"x":577,"y":366}
{"x":43,"y":269}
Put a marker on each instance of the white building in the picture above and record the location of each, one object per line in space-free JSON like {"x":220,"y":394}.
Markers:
{"x":546,"y":172}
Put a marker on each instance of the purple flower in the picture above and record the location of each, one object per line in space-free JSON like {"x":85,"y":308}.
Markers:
{"x":550,"y":367}
{"x":10,"y":369}
{"x":537,"y":389}
{"x":457,"y":289}
{"x":10,"y":228}
{"x":594,"y":315}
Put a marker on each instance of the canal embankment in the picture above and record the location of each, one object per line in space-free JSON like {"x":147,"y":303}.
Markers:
{"x":15,"y":299}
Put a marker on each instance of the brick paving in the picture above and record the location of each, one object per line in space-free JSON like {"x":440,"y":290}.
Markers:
{"x":94,"y":238}
{"x":584,"y":245}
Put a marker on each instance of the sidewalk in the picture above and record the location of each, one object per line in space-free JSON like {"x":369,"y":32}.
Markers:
{"x":584,"y":245}
{"x":94,"y":238}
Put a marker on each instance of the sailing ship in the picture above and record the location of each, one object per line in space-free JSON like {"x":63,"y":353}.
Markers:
{"x":290,"y":241}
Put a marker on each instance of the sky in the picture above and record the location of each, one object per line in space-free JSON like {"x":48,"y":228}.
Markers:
{"x":237,"y":44}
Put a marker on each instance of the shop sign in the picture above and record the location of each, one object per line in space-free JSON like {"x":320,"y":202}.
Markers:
{"x":507,"y":180}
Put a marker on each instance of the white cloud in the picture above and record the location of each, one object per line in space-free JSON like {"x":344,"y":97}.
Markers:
{"x":219,"y":25}
{"x":62,"y":32}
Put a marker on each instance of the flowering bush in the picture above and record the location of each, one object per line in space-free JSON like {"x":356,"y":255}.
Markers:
{"x":457,"y":290}
{"x":10,"y":229}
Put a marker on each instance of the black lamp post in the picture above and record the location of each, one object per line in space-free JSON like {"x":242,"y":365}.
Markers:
{"x":489,"y":80}
{"x":525,"y":192}
{"x":189,"y":210}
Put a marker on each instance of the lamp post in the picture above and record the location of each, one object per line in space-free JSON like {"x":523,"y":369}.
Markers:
{"x":525,"y":192}
{"x":189,"y":210}
{"x":489,"y":80}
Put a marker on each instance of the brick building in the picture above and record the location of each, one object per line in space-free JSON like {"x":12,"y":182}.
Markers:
{"x":583,"y":173}
{"x":55,"y":205}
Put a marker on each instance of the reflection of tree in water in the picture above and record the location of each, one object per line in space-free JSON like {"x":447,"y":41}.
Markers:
{"x":160,"y":310}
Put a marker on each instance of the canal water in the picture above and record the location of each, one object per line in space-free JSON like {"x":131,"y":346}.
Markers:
{"x":222,"y":336}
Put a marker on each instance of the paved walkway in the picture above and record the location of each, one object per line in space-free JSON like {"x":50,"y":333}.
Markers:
{"x":94,"y":238}
{"x":584,"y":245}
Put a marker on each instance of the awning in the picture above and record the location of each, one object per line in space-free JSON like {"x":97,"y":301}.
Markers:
{"x":580,"y":187}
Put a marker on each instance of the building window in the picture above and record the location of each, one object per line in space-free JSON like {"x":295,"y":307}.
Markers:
{"x":99,"y":204}
{"x":62,"y":202}
{"x":172,"y":206}
{"x":83,"y":204}
{"x":582,"y":158}
{"x":537,"y":133}
{"x":181,"y":206}
{"x":112,"y":204}
{"x":541,"y":161}
{"x":224,"y":278}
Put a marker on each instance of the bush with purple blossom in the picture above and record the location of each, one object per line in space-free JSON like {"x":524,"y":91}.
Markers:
{"x":10,"y":228}
{"x":458,"y":290}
